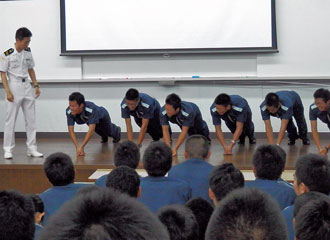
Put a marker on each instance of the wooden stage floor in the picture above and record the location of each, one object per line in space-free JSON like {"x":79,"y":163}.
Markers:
{"x":26,"y":173}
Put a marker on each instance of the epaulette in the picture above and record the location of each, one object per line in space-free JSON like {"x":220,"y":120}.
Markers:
{"x":88,"y":109}
{"x":123,"y":106}
{"x":184,"y":113}
{"x":145,"y":105}
{"x":214,"y":109}
{"x":9,"y":51}
{"x":238,"y":109}
{"x":27,"y":49}
{"x":313,"y":106}
{"x":284,"y":107}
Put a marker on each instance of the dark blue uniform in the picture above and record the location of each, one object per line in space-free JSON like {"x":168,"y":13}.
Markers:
{"x":240,"y":112}
{"x":288,"y":216}
{"x":291,"y":106}
{"x":148,"y":108}
{"x":188,"y":116}
{"x":315,"y":113}
{"x":93,"y":114}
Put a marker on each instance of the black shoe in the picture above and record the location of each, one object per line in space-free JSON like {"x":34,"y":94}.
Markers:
{"x":306,"y":141}
{"x":292,"y":142}
{"x":252,"y":140}
{"x":115,"y":140}
{"x":241,"y":141}
{"x":104,"y":140}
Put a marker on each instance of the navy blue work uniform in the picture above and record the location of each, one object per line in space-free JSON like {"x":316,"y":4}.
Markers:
{"x":291,"y":106}
{"x":188,"y":116}
{"x":93,"y":114}
{"x":239,"y":112}
{"x":288,"y":216}
{"x":315,"y":113}
{"x":148,"y":108}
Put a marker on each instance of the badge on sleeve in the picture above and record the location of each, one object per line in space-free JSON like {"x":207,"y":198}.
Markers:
{"x":9,"y":51}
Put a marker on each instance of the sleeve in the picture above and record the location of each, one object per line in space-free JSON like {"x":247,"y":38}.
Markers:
{"x":163,"y":117}
{"x":312,"y":113}
{"x":288,"y":114}
{"x":94,"y":118}
{"x":189,"y":120}
{"x":124,"y":111}
{"x":264,"y":113}
{"x":215,"y":117}
{"x":30,"y":63}
{"x":242,"y":116}
{"x":70,"y":120}
{"x":4,"y":63}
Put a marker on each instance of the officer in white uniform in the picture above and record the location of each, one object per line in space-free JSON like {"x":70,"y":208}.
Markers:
{"x":16,"y":64}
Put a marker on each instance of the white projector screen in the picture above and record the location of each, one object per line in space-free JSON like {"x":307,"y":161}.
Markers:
{"x":167,"y":26}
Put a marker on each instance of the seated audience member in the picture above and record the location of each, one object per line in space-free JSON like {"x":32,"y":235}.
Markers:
{"x":39,"y":212}
{"x":268,"y":165}
{"x":180,"y":222}
{"x":312,"y":174}
{"x":16,"y":216}
{"x":247,"y":214}
{"x":202,"y":210}
{"x":104,"y":214}
{"x":224,"y":179}
{"x":313,"y":220}
{"x":158,"y":190}
{"x":126,"y":180}
{"x":60,"y":172}
{"x":127,"y":154}
{"x":195,"y":171}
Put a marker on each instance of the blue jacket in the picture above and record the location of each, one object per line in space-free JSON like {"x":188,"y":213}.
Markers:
{"x":288,"y":216}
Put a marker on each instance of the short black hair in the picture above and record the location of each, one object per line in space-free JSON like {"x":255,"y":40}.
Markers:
{"x":272,"y":100}
{"x":269,"y":161}
{"x":22,"y":33}
{"x":87,"y":189}
{"x":174,"y":100}
{"x":304,"y":198}
{"x":197,"y":146}
{"x":78,"y":97}
{"x":322,"y":93}
{"x":180,"y":222}
{"x":202,"y":210}
{"x":16,"y":216}
{"x":224,"y":179}
{"x":132,"y":94}
{"x":127,"y":154}
{"x":157,"y":159}
{"x":313,"y":220}
{"x":223,"y":99}
{"x":247,"y":214}
{"x":59,"y":169}
{"x":314,"y":171}
{"x":125,"y":180}
{"x":37,"y":203}
{"x":104,"y":214}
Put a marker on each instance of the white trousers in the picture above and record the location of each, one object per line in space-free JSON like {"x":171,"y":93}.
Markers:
{"x":23,"y":97}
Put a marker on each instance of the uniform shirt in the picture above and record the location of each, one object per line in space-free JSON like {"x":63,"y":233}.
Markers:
{"x":280,"y":190}
{"x":188,"y":116}
{"x":91,"y":114}
{"x":161,"y":191}
{"x":101,"y":181}
{"x":53,"y":198}
{"x":238,"y":112}
{"x":315,"y":113}
{"x":16,"y":64}
{"x":37,"y":231}
{"x":196,"y":173}
{"x":147,"y":108}
{"x":288,"y":216}
{"x":288,"y":100}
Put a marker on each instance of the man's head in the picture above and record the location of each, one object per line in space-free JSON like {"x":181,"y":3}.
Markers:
{"x":222,"y":103}
{"x":104,"y":214}
{"x":76,"y":103}
{"x":172,"y":104}
{"x":125,"y":180}
{"x":16,"y":216}
{"x":157,"y":159}
{"x":59,"y":169}
{"x":247,"y":214}
{"x":39,"y":208}
{"x":269,"y":162}
{"x":127,"y":154}
{"x":132,"y":99}
{"x":322,"y":99}
{"x":23,"y":38}
{"x":312,"y":174}
{"x":180,"y":222}
{"x":272,"y":102}
{"x":197,"y":146}
{"x":224,"y":179}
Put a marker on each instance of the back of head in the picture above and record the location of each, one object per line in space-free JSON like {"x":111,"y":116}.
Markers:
{"x":104,"y":213}
{"x":59,"y":169}
{"x":174,"y":100}
{"x":125,"y":180}
{"x":223,"y":99}
{"x":180,"y":222}
{"x":224,"y":179}
{"x":78,"y":97}
{"x":197,"y":146}
{"x":16,"y":216}
{"x":202,"y":210}
{"x":269,"y":162}
{"x":314,"y":171}
{"x":157,"y":159}
{"x":132,"y":94}
{"x":127,"y":154}
{"x":303,"y":199}
{"x":313,"y":220}
{"x":322,"y":93}
{"x":272,"y":100}
{"x":22,"y":33}
{"x":37,"y":203}
{"x":247,"y":214}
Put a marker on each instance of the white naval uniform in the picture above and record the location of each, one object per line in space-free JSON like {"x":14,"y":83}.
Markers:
{"x":16,"y":66}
